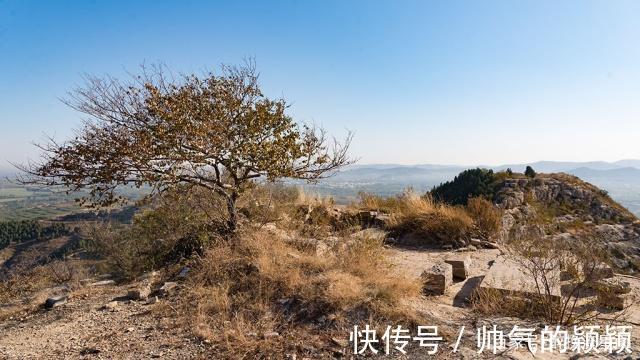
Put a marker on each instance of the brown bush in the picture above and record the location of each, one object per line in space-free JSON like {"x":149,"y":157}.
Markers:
{"x":486,"y":216}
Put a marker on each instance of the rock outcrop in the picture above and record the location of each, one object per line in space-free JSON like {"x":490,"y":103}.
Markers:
{"x":562,"y":207}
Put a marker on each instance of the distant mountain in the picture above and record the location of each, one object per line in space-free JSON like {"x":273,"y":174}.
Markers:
{"x":628,"y":163}
{"x":397,"y":174}
{"x":562,"y":166}
{"x":625,"y":174}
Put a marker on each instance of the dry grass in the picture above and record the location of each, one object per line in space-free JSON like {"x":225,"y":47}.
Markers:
{"x":487,"y":217}
{"x":25,"y":290}
{"x":240,"y":293}
{"x":422,"y":220}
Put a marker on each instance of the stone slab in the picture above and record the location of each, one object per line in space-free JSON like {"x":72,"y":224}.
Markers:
{"x":437,"y":279}
{"x":508,"y":275}
{"x":461,"y":265}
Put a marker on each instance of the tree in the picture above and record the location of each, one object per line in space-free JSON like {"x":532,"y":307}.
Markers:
{"x":529,"y":172}
{"x":469,"y":183}
{"x":217,"y":132}
{"x":509,"y":172}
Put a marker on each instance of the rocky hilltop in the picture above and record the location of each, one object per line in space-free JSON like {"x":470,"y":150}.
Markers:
{"x":562,"y":207}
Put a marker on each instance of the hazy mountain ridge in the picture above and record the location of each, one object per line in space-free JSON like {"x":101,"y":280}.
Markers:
{"x":620,"y":178}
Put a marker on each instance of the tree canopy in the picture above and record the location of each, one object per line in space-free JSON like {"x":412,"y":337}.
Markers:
{"x":467,"y":184}
{"x":529,"y":172}
{"x":217,"y":131}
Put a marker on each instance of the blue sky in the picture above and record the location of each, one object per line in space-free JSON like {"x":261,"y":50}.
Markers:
{"x":452,"y":82}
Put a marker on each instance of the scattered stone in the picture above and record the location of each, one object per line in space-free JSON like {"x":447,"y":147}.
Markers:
{"x":437,"y":279}
{"x":131,"y":329}
{"x":148,"y":276}
{"x":184,"y":272}
{"x":55,"y":301}
{"x":140,"y":293}
{"x":322,"y":248}
{"x":152,"y":300}
{"x":103,"y":283}
{"x":340,"y":342}
{"x":485,"y":244}
{"x":461,"y":265}
{"x":87,"y":281}
{"x":167,"y":288}
{"x":111,"y":306}
{"x":370,"y":233}
{"x":89,"y":351}
{"x":270,"y":334}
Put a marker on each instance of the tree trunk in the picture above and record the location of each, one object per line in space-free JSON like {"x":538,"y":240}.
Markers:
{"x":232,"y":221}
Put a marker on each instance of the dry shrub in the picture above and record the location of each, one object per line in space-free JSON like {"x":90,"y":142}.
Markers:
{"x":262,"y":284}
{"x":168,"y":229}
{"x":21,"y":284}
{"x":426,"y":222}
{"x":270,"y":202}
{"x":487,"y":217}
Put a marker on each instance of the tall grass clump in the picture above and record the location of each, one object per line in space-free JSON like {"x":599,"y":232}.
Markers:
{"x":419,"y":220}
{"x":264,"y":285}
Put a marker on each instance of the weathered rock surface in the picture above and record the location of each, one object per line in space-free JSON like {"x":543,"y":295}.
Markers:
{"x":140,"y":292}
{"x":509,"y":276}
{"x":560,"y":207}
{"x":55,"y":301}
{"x":614,"y":301}
{"x":437,"y":279}
{"x":167,"y":288}
{"x":460,"y":264}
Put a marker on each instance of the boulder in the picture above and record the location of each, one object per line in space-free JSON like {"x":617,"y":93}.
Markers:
{"x":507,"y":276}
{"x":614,"y":286}
{"x":461,"y":265}
{"x":614,"y":301}
{"x":437,"y":279}
{"x":602,"y":271}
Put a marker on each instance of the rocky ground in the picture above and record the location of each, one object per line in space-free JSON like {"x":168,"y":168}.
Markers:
{"x":98,"y":323}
